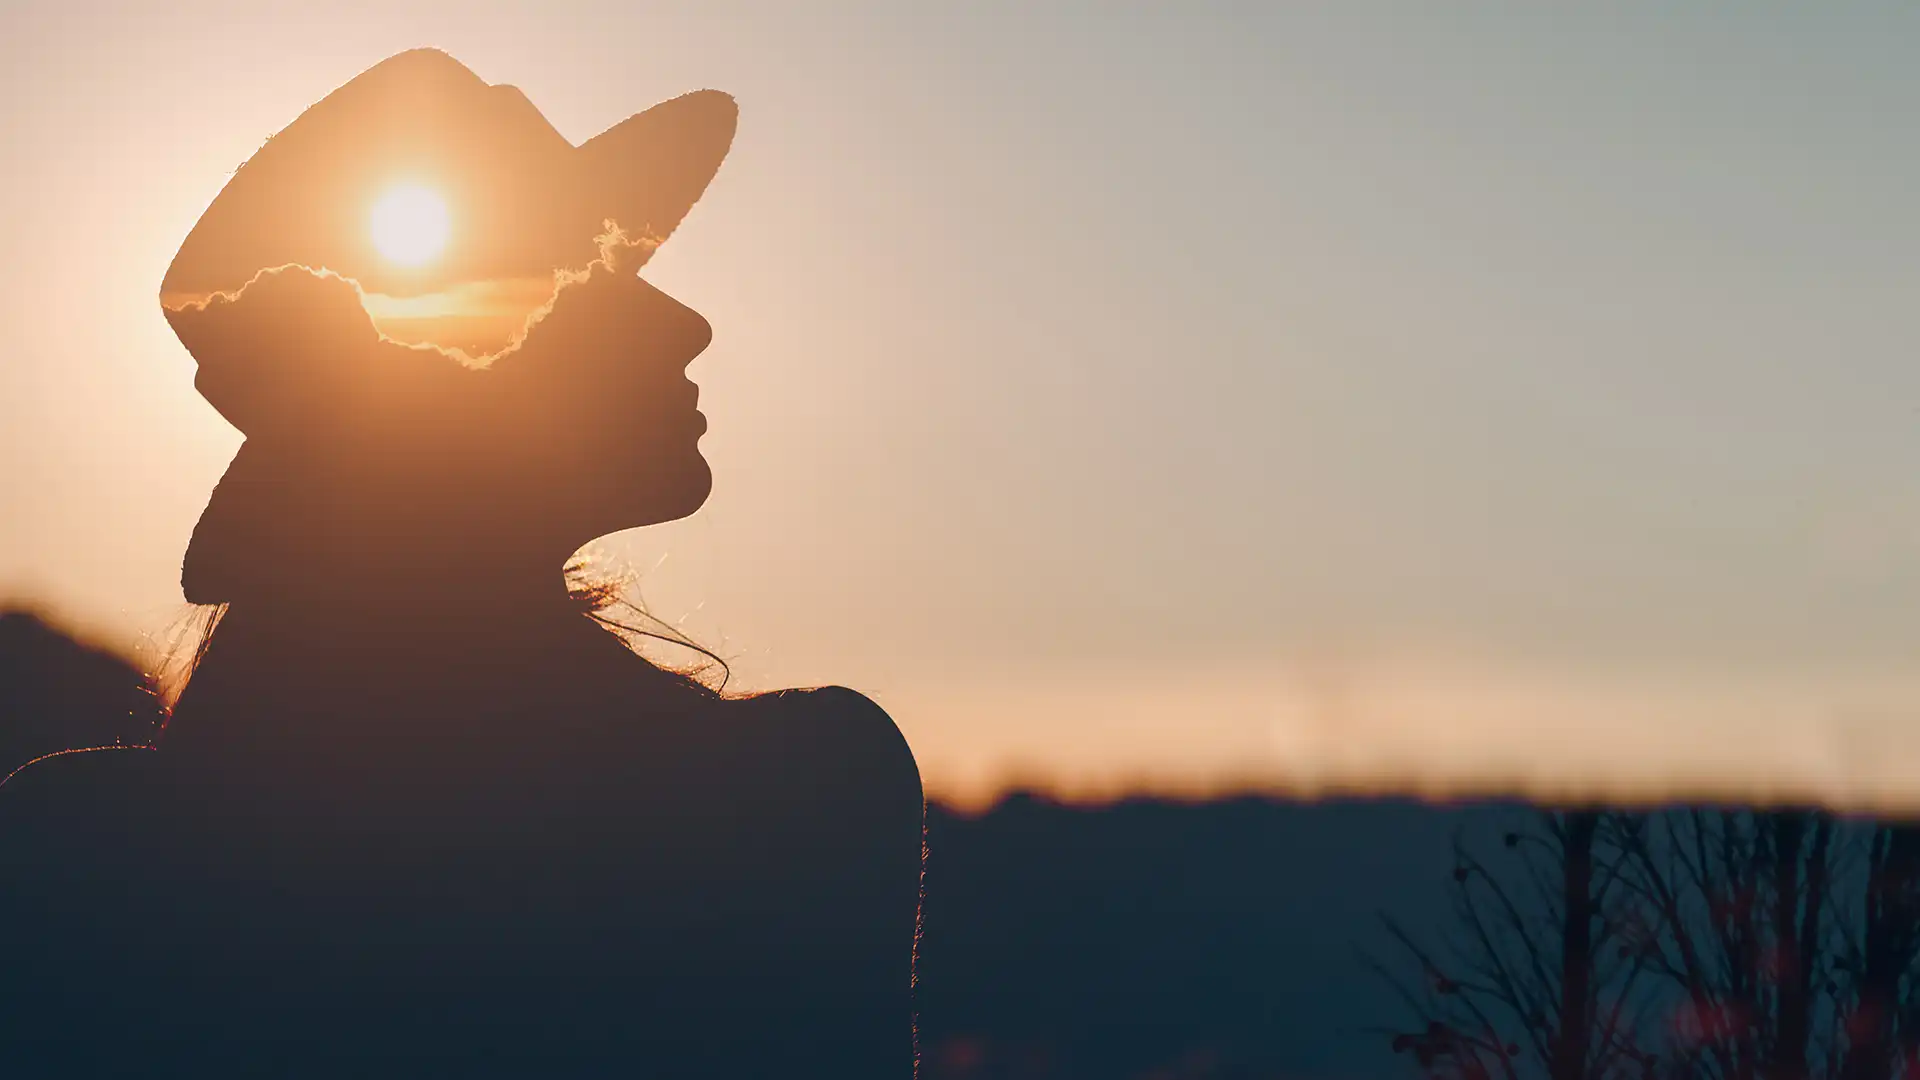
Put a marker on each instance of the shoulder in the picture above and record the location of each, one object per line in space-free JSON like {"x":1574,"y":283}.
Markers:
{"x":834,"y":716}
{"x":844,"y":733}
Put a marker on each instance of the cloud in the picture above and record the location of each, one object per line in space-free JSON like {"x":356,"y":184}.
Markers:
{"x":333,"y":302}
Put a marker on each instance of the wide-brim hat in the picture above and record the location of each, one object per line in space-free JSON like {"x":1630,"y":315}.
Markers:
{"x":524,"y":201}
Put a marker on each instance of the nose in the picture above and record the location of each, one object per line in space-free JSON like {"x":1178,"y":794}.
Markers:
{"x":686,"y":332}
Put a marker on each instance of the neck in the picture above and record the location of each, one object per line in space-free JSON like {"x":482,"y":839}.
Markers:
{"x":443,"y":579}
{"x":364,"y":654}
{"x":453,"y":608}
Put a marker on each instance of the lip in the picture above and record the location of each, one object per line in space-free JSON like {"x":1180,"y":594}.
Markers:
{"x":698,"y":420}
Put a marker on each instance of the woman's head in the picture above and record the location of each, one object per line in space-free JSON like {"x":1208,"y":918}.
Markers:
{"x":371,"y":460}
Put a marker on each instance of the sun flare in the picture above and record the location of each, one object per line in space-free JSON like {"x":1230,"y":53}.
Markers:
{"x":410,"y":224}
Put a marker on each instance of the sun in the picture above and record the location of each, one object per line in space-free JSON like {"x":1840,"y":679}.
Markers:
{"x":410,"y":224}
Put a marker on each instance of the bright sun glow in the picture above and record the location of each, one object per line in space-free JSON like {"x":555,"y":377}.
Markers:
{"x":410,"y":224}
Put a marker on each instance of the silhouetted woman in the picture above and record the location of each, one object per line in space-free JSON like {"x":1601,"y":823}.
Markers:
{"x":417,"y":812}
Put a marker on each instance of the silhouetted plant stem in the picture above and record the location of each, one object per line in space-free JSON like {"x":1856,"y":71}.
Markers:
{"x":1888,"y":951}
{"x":1540,"y":983}
{"x":1577,"y":908}
{"x":1796,"y":943}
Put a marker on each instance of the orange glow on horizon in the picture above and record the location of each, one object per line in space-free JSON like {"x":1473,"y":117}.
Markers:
{"x":479,"y":318}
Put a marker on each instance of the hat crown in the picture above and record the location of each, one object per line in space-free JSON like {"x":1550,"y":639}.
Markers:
{"x":524,"y":202}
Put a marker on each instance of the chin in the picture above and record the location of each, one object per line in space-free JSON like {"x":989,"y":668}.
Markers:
{"x":690,"y":486}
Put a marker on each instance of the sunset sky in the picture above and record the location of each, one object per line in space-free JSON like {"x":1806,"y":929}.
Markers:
{"x":1352,"y":395}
